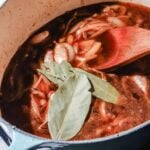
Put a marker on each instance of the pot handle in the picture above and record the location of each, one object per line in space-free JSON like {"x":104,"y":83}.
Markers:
{"x":22,"y":141}
{"x":12,"y":138}
{"x":29,"y":142}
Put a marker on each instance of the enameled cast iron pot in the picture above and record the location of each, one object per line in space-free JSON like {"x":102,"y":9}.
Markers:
{"x":18,"y":20}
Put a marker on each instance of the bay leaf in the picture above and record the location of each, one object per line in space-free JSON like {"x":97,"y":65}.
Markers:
{"x":57,"y":73}
{"x":102,"y":89}
{"x":69,"y":107}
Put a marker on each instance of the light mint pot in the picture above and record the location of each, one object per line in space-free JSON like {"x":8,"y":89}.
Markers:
{"x":26,"y":14}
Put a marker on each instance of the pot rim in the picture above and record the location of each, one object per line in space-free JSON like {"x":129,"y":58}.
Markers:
{"x":101,"y":139}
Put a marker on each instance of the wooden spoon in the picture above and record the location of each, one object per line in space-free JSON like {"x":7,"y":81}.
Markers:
{"x":124,"y":45}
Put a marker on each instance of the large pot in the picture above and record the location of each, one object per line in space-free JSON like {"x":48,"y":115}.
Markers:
{"x":20,"y":18}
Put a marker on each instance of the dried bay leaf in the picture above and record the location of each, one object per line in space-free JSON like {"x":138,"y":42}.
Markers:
{"x":57,"y":73}
{"x":102,"y":89}
{"x":69,"y":107}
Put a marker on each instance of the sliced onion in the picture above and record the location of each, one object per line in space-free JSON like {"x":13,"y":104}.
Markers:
{"x":116,"y":21}
{"x":77,"y":26}
{"x":44,"y":118}
{"x":102,"y":109}
{"x":87,"y":28}
{"x":120,"y":10}
{"x":49,"y":57}
{"x":38,"y":93}
{"x":100,"y":31}
{"x":76,"y":47}
{"x":85,"y":46}
{"x":36,"y":84}
{"x":42,"y":102}
{"x":70,"y":51}
{"x":70,"y":39}
{"x":95,"y":48}
{"x":141,"y":82}
{"x":35,"y":108}
{"x":43,"y":86}
{"x":60,"y":53}
{"x":90,"y":27}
